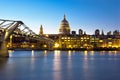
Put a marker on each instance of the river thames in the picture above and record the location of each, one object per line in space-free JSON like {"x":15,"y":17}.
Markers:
{"x":61,"y":65}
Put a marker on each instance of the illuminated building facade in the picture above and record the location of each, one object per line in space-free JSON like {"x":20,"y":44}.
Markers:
{"x":89,"y":42}
{"x":67,"y":39}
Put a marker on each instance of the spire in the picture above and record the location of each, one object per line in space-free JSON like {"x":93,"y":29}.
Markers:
{"x":64,"y":17}
{"x":41,"y":27}
{"x":84,"y":32}
{"x":102,"y":32}
{"x":41,"y":30}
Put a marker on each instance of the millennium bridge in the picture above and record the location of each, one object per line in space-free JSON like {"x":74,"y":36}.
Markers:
{"x":9,"y":27}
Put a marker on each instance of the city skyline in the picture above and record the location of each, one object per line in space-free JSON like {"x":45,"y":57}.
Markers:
{"x":87,"y":15}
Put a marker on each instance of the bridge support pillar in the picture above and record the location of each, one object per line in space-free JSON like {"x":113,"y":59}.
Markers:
{"x":3,"y":50}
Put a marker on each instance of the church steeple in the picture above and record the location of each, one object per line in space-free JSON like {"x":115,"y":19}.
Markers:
{"x":41,"y":30}
{"x":64,"y":17}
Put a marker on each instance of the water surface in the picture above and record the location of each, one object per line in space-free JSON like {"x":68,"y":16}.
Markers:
{"x":61,"y":65}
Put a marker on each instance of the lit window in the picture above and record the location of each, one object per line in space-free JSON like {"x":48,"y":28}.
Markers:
{"x":68,"y":37}
{"x":62,"y":37}
{"x":101,"y":41}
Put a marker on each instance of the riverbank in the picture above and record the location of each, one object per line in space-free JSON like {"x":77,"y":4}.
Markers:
{"x":66,"y":49}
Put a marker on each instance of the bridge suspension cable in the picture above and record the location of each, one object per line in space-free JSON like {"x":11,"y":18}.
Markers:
{"x":11,"y":25}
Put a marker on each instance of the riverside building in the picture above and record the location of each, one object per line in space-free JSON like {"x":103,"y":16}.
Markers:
{"x":67,"y":39}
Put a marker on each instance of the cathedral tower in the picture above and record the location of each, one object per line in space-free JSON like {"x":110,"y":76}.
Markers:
{"x":64,"y":27}
{"x":41,"y":30}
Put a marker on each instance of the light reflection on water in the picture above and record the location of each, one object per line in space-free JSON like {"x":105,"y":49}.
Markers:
{"x":85,"y":55}
{"x":10,"y":52}
{"x":32,"y":59}
{"x":57,"y":65}
{"x":61,"y":65}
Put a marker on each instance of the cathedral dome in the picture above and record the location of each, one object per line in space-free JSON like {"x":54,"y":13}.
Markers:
{"x":64,"y":27}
